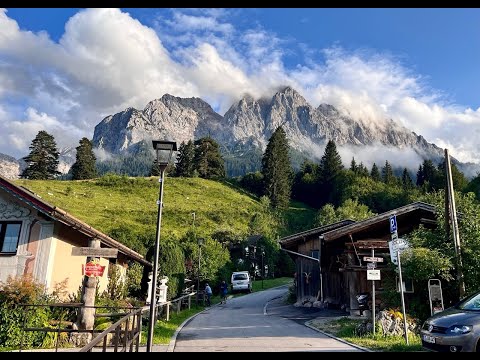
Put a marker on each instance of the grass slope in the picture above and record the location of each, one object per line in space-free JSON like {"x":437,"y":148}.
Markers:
{"x":111,"y":203}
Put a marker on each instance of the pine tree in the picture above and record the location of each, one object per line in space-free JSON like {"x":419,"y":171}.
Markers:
{"x":387,"y":173}
{"x":353,"y":165}
{"x":277,"y":170}
{"x":362,"y":170}
{"x":185,"y":160}
{"x":330,"y":168}
{"x":84,"y":167}
{"x":208,"y":161}
{"x":459,"y":180}
{"x":420,"y":177}
{"x":42,"y":162}
{"x":375,"y":173}
{"x":407,"y":182}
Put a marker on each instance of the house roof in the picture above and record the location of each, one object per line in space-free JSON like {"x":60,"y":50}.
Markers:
{"x":292,"y":239}
{"x":423,"y":212}
{"x":64,"y":217}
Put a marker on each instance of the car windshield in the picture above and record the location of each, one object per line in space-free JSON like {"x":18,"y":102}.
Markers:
{"x":240,"y":277}
{"x":472,"y":303}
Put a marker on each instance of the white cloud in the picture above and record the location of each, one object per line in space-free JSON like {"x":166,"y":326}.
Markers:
{"x":107,"y":61}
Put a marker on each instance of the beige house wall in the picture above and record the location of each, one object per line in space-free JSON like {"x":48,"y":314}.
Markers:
{"x":66,"y":266}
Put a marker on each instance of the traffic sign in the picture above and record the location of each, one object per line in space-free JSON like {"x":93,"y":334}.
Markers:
{"x":373,"y":274}
{"x":393,"y":223}
{"x":372,"y":259}
{"x":371,"y":265}
{"x":93,"y":269}
{"x":395,"y":246}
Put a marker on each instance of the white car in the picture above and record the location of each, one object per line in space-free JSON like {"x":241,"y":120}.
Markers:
{"x":241,"y":281}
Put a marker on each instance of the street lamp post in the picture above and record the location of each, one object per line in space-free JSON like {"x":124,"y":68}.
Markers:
{"x":164,"y":150}
{"x":263,"y":267}
{"x":200,"y":243}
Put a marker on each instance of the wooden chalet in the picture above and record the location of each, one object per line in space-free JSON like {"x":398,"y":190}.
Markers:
{"x":338,"y":250}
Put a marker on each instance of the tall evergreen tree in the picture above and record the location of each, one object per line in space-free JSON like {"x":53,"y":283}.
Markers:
{"x":330,"y":168}
{"x":185,"y":160}
{"x":362,"y":170}
{"x":42,"y":162}
{"x":208,"y":160}
{"x":407,"y":182}
{"x":84,"y":166}
{"x":459,"y":180}
{"x":387,"y":173}
{"x":375,"y":173}
{"x":277,"y":170}
{"x":353,"y":165}
{"x":420,"y":177}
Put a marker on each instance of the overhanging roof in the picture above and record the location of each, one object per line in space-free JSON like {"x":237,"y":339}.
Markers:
{"x":382,"y":220}
{"x":58,"y":214}
{"x":292,"y":239}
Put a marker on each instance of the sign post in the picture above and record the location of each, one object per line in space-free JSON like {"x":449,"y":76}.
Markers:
{"x":403,"y":299}
{"x":396,"y":246}
{"x":373,"y":275}
{"x":373,"y":298}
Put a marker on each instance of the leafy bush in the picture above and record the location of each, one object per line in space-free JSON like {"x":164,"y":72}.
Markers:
{"x":16,"y":291}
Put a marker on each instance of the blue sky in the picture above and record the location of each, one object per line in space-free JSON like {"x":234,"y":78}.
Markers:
{"x":66,"y":69}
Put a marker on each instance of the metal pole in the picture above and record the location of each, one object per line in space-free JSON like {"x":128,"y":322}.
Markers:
{"x":199,"y":265}
{"x":153,"y":297}
{"x":403,"y":300}
{"x":373,"y":298}
{"x":263,"y":269}
{"x":456,"y":234}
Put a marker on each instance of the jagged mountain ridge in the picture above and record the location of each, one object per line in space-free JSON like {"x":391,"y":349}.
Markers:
{"x":9,"y":167}
{"x":250,"y":123}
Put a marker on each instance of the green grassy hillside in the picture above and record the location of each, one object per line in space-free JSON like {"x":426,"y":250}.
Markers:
{"x":116,"y":205}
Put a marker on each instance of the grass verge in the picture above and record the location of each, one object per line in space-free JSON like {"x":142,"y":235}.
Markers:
{"x":270,"y":283}
{"x":164,"y":330}
{"x":344,"y":328}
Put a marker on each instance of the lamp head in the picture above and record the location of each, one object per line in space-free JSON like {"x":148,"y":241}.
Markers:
{"x":164,"y":151}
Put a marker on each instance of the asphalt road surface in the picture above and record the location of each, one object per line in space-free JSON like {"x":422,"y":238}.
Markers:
{"x":257,"y":322}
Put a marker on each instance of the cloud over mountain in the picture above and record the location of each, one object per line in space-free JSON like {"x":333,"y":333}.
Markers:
{"x":106,"y":61}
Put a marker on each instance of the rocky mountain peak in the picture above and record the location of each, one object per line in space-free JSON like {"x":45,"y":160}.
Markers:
{"x":9,"y":167}
{"x":250,"y":122}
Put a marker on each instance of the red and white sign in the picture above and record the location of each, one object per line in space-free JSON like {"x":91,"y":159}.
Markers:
{"x":92,"y":269}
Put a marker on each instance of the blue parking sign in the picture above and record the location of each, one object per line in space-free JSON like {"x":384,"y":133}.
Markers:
{"x":393,"y":224}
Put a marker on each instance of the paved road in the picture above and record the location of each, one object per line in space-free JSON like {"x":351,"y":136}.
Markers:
{"x":242,"y":326}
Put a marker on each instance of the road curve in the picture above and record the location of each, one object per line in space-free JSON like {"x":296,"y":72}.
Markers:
{"x":241,"y":326}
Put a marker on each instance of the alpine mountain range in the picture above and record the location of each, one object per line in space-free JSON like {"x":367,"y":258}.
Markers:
{"x":244,"y":130}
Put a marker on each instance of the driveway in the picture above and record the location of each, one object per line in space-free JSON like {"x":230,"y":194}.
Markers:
{"x":255,"y":323}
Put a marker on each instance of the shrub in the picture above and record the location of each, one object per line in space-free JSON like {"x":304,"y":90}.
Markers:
{"x":16,"y":291}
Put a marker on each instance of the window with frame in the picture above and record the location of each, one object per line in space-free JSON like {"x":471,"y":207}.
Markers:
{"x":9,"y":236}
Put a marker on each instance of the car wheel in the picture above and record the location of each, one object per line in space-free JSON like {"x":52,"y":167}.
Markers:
{"x":478,"y":345}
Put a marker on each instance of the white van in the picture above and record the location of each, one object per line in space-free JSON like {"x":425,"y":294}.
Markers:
{"x":241,"y":281}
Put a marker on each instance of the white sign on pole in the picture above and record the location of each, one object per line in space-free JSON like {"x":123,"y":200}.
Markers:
{"x":395,"y":246}
{"x":373,"y":274}
{"x":372,"y":259}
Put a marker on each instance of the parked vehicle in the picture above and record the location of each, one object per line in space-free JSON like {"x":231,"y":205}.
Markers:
{"x":455,"y":329}
{"x":241,"y":281}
